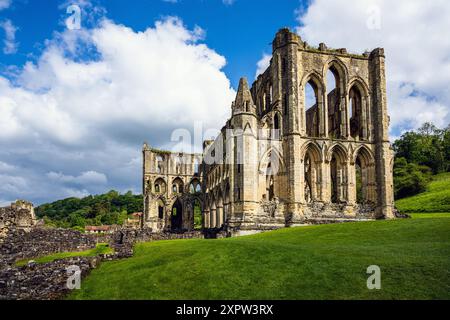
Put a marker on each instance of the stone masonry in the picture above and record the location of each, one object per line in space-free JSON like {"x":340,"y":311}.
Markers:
{"x":279,"y":160}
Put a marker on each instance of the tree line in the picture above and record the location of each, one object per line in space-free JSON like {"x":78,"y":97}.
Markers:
{"x":106,"y":209}
{"x":419,"y":154}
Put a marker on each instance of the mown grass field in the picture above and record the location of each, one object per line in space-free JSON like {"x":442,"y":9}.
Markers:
{"x":315,"y":262}
{"x":101,"y":248}
{"x":435,"y":199}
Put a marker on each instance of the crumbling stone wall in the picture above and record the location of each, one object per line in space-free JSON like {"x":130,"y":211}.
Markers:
{"x":20,"y":215}
{"x":21,"y":244}
{"x":23,"y":239}
{"x":132,"y":236}
{"x":42,"y":281}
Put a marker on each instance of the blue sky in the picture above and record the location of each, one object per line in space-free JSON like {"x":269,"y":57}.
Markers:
{"x":76,"y":105}
{"x":241,"y":31}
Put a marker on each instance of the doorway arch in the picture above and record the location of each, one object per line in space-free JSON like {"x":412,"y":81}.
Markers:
{"x":177,"y":216}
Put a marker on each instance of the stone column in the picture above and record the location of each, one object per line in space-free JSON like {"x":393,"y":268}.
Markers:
{"x":219,"y":219}
{"x":324,"y":112}
{"x":206,"y":224}
{"x":346,"y":116}
{"x":213,"y":221}
{"x":364,"y":120}
{"x":325,"y":182}
{"x":351,"y":186}
{"x":384,"y":153}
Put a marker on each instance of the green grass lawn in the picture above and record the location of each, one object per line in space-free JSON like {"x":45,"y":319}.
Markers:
{"x":435,"y":199}
{"x":101,"y":248}
{"x":315,"y":262}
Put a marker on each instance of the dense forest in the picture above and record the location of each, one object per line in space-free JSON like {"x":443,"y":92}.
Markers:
{"x":419,"y":155}
{"x":106,"y":209}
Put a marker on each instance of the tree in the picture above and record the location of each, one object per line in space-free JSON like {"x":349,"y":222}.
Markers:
{"x":428,"y":146}
{"x":109,"y":208}
{"x":446,"y":148}
{"x":409,"y":178}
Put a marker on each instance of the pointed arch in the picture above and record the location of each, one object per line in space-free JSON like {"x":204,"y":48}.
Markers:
{"x":268,"y":157}
{"x":315,"y":77}
{"x":177,"y":215}
{"x":160,"y":186}
{"x":311,"y":160}
{"x":177,"y":185}
{"x":248,"y":128}
{"x":313,"y":123}
{"x":364,"y":151}
{"x":336,"y":103}
{"x":338,"y":158}
{"x":359,"y":112}
{"x":336,"y":63}
{"x":338,"y":148}
{"x":195,"y":186}
{"x":356,"y":80}
{"x":365,"y":180}
{"x":271,"y":178}
{"x":313,"y":145}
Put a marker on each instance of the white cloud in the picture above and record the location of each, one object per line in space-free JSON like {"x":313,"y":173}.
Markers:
{"x":95,"y":95}
{"x":263,"y":64}
{"x":5,"y":167}
{"x":4,"y":4}
{"x":417,"y":50}
{"x":10,"y":44}
{"x":228,"y":2}
{"x":88,"y":177}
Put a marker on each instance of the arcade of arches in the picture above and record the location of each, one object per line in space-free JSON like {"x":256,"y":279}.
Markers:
{"x":307,"y":142}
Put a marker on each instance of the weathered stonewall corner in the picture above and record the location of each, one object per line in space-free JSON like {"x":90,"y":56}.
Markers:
{"x":20,"y":215}
{"x":326,"y":162}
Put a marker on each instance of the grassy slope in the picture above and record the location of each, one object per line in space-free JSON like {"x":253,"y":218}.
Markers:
{"x":317,"y":262}
{"x":435,"y":199}
{"x":101,"y":248}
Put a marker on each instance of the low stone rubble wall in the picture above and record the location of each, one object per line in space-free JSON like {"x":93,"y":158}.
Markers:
{"x":42,"y":281}
{"x":145,"y":235}
{"x":123,"y":240}
{"x":49,"y":281}
{"x":20,"y":244}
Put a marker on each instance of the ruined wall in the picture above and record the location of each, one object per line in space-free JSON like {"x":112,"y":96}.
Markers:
{"x":20,"y":215}
{"x":333,"y":159}
{"x":21,"y":244}
{"x":170,"y":180}
{"x":41,"y":281}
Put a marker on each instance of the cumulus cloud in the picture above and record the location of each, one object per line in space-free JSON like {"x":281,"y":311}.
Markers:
{"x":4,"y":4}
{"x":73,"y":122}
{"x":89,"y":177}
{"x":263,"y":64}
{"x":9,"y":42}
{"x":417,"y":50}
{"x":228,"y":2}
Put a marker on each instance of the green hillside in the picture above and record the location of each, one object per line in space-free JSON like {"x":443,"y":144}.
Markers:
{"x":316,"y":262}
{"x":105,"y":209}
{"x":435,"y":199}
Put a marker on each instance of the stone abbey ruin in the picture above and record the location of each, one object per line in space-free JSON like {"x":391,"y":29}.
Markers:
{"x":278,"y":161}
